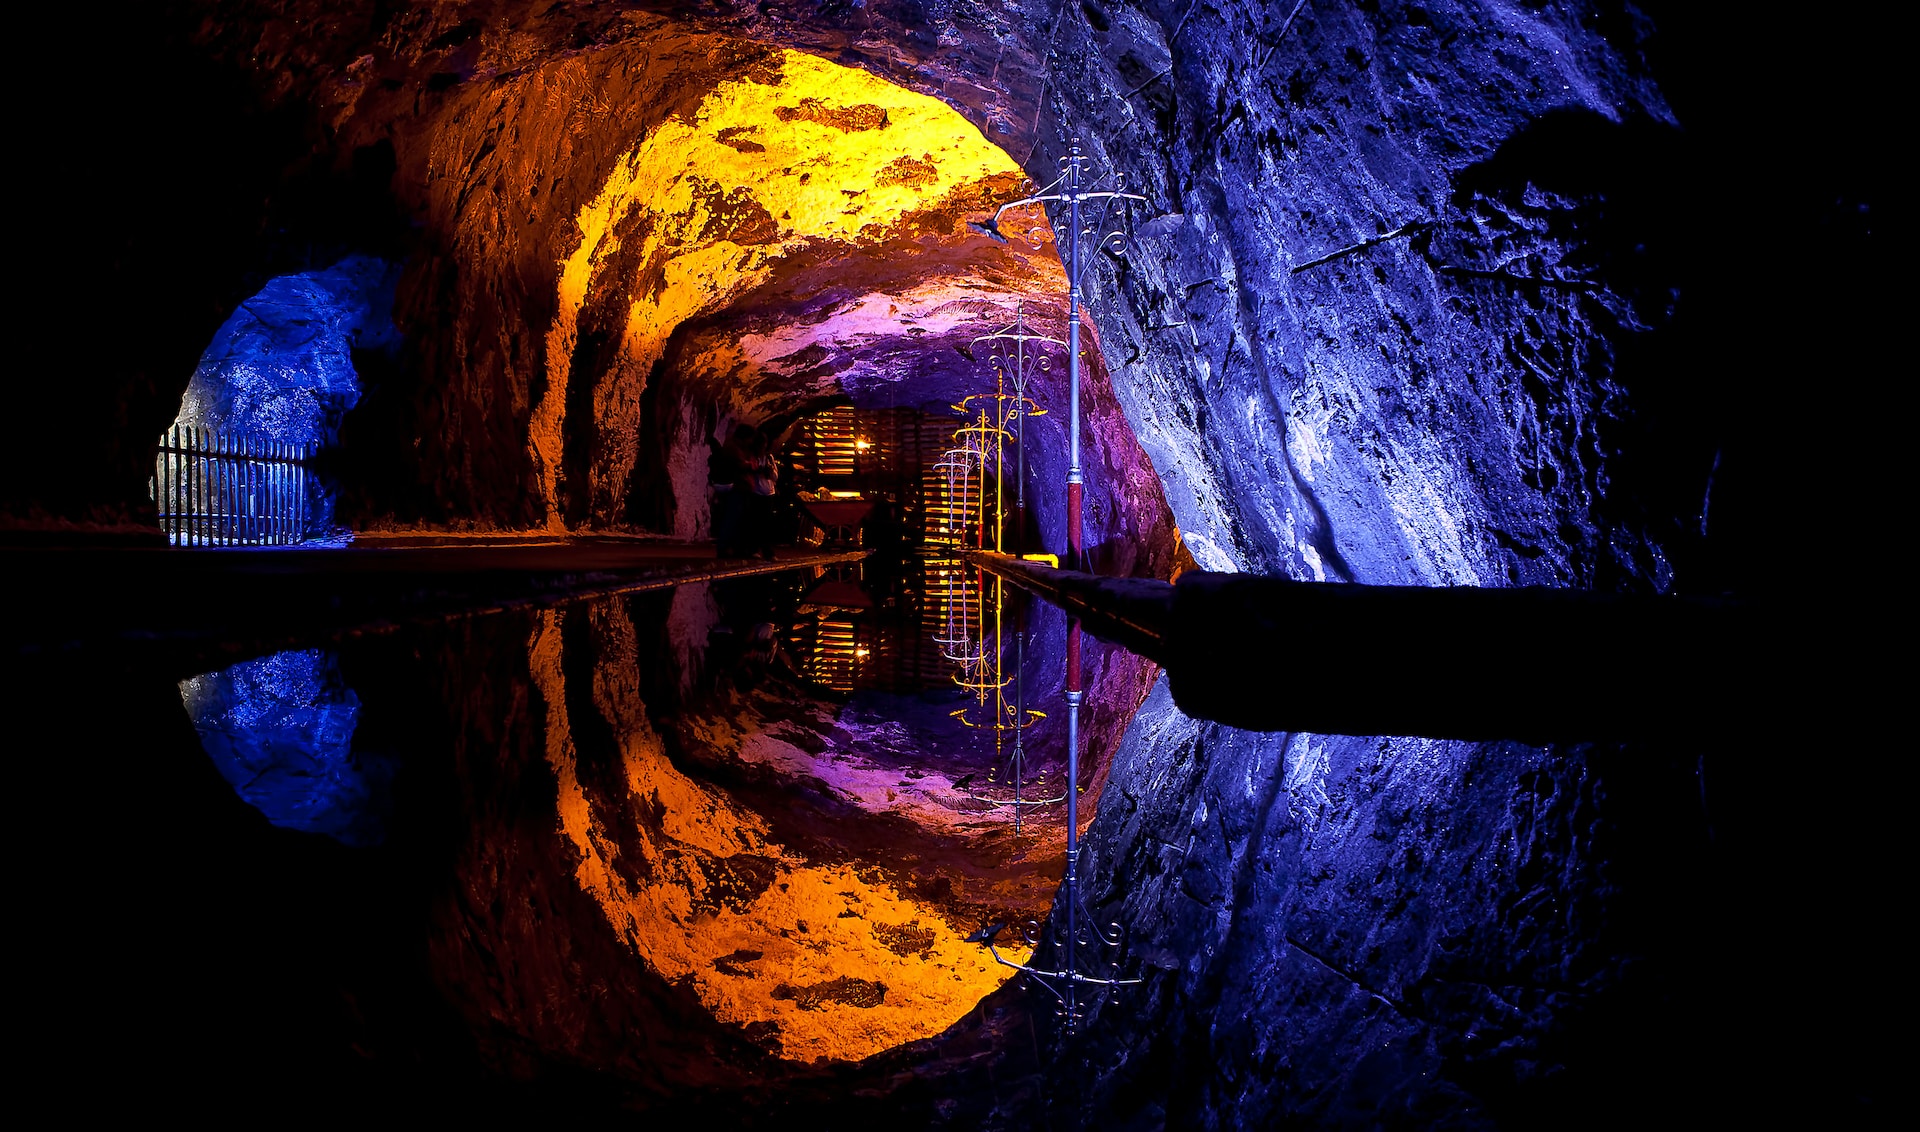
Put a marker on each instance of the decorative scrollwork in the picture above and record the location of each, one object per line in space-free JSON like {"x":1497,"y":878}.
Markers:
{"x":1031,"y":932}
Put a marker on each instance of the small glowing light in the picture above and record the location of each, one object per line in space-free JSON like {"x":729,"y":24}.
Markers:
{"x":859,"y":652}
{"x":862,"y":445}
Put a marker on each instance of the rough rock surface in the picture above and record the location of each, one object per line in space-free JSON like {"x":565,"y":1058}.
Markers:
{"x":281,"y":368}
{"x":1362,"y":931}
{"x":280,"y":729}
{"x":700,"y":229}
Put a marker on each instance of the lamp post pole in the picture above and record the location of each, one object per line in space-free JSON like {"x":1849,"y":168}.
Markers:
{"x":1076,"y":482}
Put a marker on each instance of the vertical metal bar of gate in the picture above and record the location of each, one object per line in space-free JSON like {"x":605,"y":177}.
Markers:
{"x":225,"y":523}
{"x":215,"y":488}
{"x":252,"y":508}
{"x":209,"y":481}
{"x":300,"y":493}
{"x":249,"y":471}
{"x":173,"y":486}
{"x":164,"y":487}
{"x":277,"y":450}
{"x":193,"y":483}
{"x":273,"y":494}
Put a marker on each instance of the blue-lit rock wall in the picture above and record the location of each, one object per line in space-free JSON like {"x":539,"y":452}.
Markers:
{"x":280,"y":368}
{"x":1432,"y":409}
{"x":1386,"y":932}
{"x":1363,"y":932}
{"x":280,"y":730}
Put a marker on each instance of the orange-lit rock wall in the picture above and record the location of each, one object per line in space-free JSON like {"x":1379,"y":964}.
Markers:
{"x":814,"y":959}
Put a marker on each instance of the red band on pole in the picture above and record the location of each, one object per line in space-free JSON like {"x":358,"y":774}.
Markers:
{"x":1073,"y":521}
{"x":1073,"y":655}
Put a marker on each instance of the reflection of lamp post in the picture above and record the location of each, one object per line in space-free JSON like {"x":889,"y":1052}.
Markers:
{"x":1074,"y":927}
{"x":1015,"y":717}
{"x":956,"y":638}
{"x":1073,"y":190}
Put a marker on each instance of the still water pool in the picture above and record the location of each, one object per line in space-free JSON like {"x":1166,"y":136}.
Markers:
{"x":674,"y":841}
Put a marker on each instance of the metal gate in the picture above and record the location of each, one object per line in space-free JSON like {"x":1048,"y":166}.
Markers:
{"x":231,"y":491}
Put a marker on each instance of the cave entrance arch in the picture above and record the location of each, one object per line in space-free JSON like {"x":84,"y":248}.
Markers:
{"x":796,"y":238}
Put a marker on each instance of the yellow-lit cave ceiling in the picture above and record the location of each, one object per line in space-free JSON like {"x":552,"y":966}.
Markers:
{"x":790,"y":161}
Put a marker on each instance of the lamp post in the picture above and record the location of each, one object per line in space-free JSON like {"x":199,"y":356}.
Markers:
{"x":1072,"y":927}
{"x":1073,"y":191}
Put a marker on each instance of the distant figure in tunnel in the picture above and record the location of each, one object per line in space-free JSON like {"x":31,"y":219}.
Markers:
{"x":744,"y":478}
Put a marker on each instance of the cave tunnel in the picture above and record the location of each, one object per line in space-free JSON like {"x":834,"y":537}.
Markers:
{"x":637,"y":561}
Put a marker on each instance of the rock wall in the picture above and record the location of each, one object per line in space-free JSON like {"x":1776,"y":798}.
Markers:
{"x":1439,"y":406}
{"x":633,"y":232}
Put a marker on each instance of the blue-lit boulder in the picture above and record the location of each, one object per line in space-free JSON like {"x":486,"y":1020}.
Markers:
{"x":280,"y":729}
{"x":281,"y":367}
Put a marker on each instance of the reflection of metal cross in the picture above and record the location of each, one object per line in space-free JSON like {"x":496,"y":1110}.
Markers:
{"x":956,"y":638}
{"x":980,"y":669}
{"x":1066,"y":982}
{"x":1072,"y":925}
